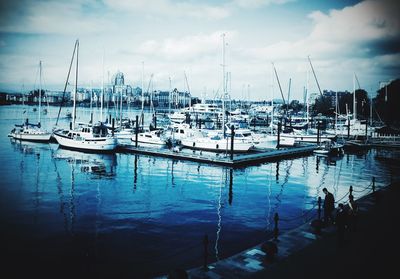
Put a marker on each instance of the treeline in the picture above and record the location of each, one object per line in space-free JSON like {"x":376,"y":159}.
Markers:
{"x":384,"y":106}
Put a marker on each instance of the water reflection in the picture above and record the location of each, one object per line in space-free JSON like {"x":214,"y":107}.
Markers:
{"x":222,"y":180}
{"x":230,"y":186}
{"x":99,"y":165}
{"x":135,"y":166}
{"x":29,"y":148}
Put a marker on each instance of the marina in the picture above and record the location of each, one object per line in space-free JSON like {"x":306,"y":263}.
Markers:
{"x":138,"y":209}
{"x":176,"y":139}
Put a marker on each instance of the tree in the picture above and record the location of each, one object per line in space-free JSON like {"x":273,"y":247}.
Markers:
{"x":323,"y":105}
{"x":386,"y":103}
{"x":294,"y":105}
{"x":363,"y":103}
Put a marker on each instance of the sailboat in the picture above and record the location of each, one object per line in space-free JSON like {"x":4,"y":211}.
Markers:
{"x":28,"y":131}
{"x":86,"y":137}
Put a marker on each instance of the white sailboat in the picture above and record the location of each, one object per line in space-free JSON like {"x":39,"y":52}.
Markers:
{"x":85,"y":137}
{"x":32,"y":132}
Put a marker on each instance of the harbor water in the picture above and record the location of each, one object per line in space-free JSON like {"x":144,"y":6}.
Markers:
{"x":128,"y":215}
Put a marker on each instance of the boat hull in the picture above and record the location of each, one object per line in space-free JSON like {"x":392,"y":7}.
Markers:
{"x":216,"y":145}
{"x":40,"y":137}
{"x":98,"y":145}
{"x":308,"y":138}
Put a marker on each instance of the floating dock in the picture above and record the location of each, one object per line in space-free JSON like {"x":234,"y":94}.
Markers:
{"x":238,"y":160}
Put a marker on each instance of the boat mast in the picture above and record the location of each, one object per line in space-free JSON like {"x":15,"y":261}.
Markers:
{"x":120,"y":108}
{"x":40,"y":89}
{"x":169,"y":97}
{"x":66,"y":82}
{"x":336,"y":112}
{"x":102,"y":90}
{"x":307,"y":100}
{"x":280,"y":89}
{"x":223,"y":83}
{"x":354,"y":98}
{"x":76,"y":84}
{"x":315,"y":76}
{"x":272,"y":100}
{"x":190,"y":98}
{"x":142,"y":92}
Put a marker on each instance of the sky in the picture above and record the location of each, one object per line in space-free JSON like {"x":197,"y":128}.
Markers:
{"x":174,"y":41}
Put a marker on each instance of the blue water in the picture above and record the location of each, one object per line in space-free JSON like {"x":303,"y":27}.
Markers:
{"x":125,"y":214}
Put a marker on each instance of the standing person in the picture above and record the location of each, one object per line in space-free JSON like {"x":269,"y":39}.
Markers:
{"x":353,"y":213}
{"x":329,"y":206}
{"x":341,"y":220}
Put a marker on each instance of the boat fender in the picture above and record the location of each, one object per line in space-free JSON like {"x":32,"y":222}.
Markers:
{"x":194,"y":144}
{"x":217,"y":146}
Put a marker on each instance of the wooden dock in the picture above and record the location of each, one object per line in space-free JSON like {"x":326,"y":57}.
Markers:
{"x":239,"y":160}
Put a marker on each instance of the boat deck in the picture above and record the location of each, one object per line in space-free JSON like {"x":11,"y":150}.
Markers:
{"x":224,"y":159}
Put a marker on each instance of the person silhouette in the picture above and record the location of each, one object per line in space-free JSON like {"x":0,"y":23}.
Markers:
{"x":329,"y":206}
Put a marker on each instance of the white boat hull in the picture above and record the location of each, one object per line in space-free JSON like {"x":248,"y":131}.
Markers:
{"x":221,"y":145}
{"x":35,"y":136}
{"x":99,"y":144}
{"x":307,"y":138}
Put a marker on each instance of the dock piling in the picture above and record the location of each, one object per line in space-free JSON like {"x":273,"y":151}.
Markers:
{"x":232,"y":140}
{"x":276,"y":230}
{"x":279,"y":134}
{"x":112,"y":127}
{"x":319,"y":208}
{"x":136,"y":130}
{"x":373,"y":184}
{"x":205,"y":245}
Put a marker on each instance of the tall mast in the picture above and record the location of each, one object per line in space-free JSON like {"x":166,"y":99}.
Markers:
{"x":102,"y":89}
{"x":169,"y":97}
{"x":40,"y":88}
{"x":272,"y":99}
{"x":223,"y":83}
{"x":142,"y":87}
{"x":315,"y":76}
{"x":76,"y":83}
{"x":354,"y":97}
{"x":66,"y":82}
{"x":336,"y":112}
{"x":307,"y":99}
{"x":190,"y":98}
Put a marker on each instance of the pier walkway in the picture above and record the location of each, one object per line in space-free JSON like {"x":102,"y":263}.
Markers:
{"x":222,"y":158}
{"x":368,"y":252}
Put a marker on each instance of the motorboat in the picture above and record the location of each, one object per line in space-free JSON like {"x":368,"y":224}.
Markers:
{"x":150,"y":138}
{"x":218,"y":143}
{"x":329,"y":148}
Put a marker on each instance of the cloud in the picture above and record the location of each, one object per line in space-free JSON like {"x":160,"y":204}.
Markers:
{"x":187,"y":48}
{"x":52,"y":17}
{"x":169,"y":8}
{"x":252,"y":4}
{"x":369,"y":23}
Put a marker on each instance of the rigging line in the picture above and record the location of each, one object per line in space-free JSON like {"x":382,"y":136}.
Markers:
{"x":66,"y":82}
{"x":315,"y":76}
{"x":280,"y":88}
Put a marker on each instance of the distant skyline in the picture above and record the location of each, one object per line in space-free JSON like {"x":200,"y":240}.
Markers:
{"x":176,"y":37}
